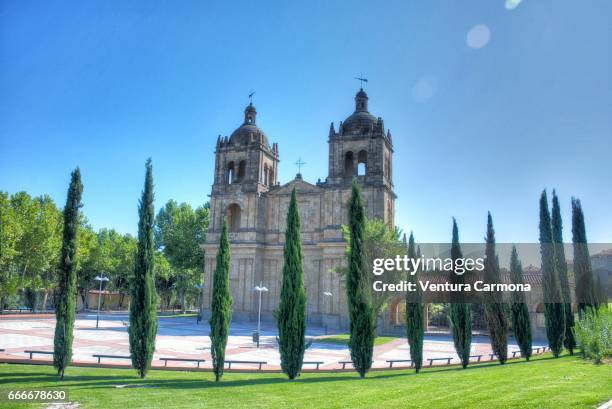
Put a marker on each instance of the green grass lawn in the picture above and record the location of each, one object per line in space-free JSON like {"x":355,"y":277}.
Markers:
{"x":343,"y":339}
{"x":567,"y":382}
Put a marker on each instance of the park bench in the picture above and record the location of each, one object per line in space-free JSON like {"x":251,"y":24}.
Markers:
{"x":260,"y":363}
{"x":392,"y":361}
{"x":111,"y":356}
{"x":182,"y":360}
{"x":344,"y":363}
{"x":478,"y":357}
{"x":514,"y":353}
{"x":431,"y":360}
{"x":317,"y":363}
{"x":31,"y":352}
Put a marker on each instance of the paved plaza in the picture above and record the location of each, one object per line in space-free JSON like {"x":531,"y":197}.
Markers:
{"x":181,"y":337}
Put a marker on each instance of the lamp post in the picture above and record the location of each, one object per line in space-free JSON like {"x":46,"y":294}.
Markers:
{"x":260,"y":289}
{"x":101,"y":279}
{"x":330,"y":295}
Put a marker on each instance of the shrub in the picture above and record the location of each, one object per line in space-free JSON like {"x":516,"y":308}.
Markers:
{"x":594,"y":334}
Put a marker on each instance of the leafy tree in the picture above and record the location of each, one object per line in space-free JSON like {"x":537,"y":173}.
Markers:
{"x":414,"y":313}
{"x":9,"y":235}
{"x":87,"y":241}
{"x":123,"y":252}
{"x":66,"y":290}
{"x":583,"y":271}
{"x":553,"y":307}
{"x":179,"y":233}
{"x":561,"y":268}
{"x":495,"y":312}
{"x":361,"y":311}
{"x":460,"y":315}
{"x":49,"y":226}
{"x":521,"y":324}
{"x":113,"y":256}
{"x":291,"y":313}
{"x":221,"y":306}
{"x":163,"y":280}
{"x":38,"y":244}
{"x":143,"y":315}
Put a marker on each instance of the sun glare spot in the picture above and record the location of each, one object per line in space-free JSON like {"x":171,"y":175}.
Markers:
{"x":478,"y":36}
{"x":512,"y":4}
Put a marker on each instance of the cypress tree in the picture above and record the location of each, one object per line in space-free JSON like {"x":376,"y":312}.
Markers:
{"x":495,"y":311}
{"x":143,"y":314}
{"x":360,"y":308}
{"x":414,"y":314}
{"x":561,"y":267}
{"x":460,"y":314}
{"x":221,"y":307}
{"x":65,"y":305}
{"x":554,"y":313}
{"x":291,"y":313}
{"x":583,"y":271}
{"x":521,"y":324}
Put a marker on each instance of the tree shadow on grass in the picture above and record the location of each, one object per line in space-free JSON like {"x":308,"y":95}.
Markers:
{"x":107,"y":381}
{"x":111,"y":381}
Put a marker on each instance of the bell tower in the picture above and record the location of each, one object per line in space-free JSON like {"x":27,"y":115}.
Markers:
{"x":362,"y":148}
{"x":245,"y":166}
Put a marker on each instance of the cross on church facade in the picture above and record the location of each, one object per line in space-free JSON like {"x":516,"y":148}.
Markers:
{"x":299,"y":164}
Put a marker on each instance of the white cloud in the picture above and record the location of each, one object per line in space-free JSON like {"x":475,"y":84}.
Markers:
{"x":478,"y":36}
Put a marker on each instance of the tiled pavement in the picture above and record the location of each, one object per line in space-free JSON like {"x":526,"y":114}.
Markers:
{"x":182,"y":338}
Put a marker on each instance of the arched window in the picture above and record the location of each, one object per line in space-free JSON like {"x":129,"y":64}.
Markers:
{"x":241,"y":170}
{"x":230,"y":173}
{"x":233,"y":217}
{"x":362,"y":163}
{"x":348,"y":164}
{"x":265,"y":175}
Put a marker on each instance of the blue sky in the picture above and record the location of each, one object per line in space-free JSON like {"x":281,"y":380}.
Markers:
{"x":105,"y":84}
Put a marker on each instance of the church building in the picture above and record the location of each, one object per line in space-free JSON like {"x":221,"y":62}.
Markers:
{"x":247,"y":191}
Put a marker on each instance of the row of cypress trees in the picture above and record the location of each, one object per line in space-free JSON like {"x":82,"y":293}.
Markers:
{"x":559,"y":318}
{"x":143,"y":316}
{"x":558,"y":315}
{"x":291,"y":313}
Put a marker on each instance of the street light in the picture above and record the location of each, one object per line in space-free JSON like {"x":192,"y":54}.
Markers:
{"x":100,"y":279}
{"x":330,"y":295}
{"x":260,"y":289}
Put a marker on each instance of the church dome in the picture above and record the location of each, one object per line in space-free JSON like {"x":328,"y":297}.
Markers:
{"x":361,"y":121}
{"x":248,"y":132}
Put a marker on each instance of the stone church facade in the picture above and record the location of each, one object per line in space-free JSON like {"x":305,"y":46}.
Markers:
{"x":246,"y":191}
